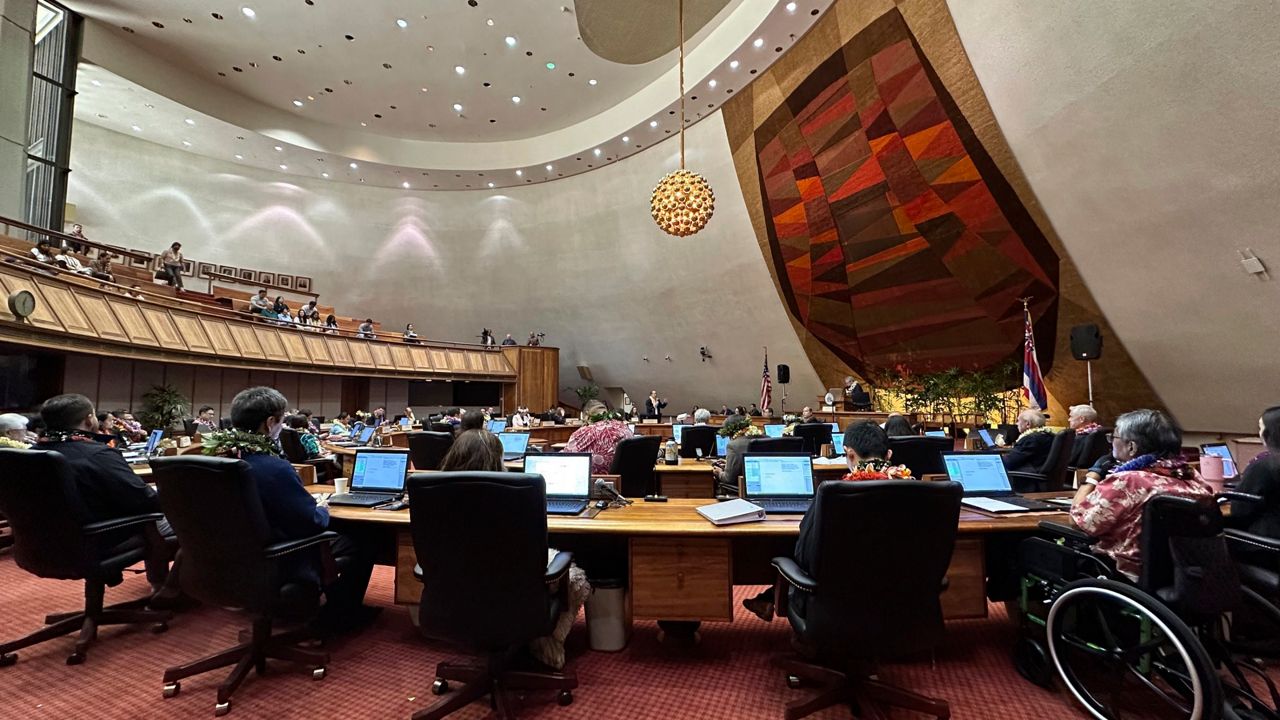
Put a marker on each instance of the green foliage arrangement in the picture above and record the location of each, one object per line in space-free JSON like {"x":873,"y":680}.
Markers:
{"x":236,"y":443}
{"x":162,"y":407}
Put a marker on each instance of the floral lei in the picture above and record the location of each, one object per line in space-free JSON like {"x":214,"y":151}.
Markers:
{"x":237,"y":443}
{"x":1041,"y":429}
{"x":741,"y":428}
{"x":875,"y":469}
{"x":1151,"y":462}
{"x":1088,"y":428}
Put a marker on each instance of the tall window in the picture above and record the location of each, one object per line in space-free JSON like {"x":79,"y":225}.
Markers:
{"x":53,"y":90}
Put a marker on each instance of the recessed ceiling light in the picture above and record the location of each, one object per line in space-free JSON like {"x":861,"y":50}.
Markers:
{"x":592,"y":81}
{"x":311,"y":97}
{"x":364,"y":124}
{"x":597,"y":152}
{"x":248,"y":12}
{"x":297,"y":103}
{"x":98,"y":84}
{"x":459,"y":69}
{"x":519,"y":173}
{"x":324,"y":175}
{"x":424,"y":89}
{"x":402,"y":23}
{"x":405,"y":185}
{"x":457,"y":107}
{"x":791,"y":7}
{"x":186,"y":144}
{"x":551,"y":66}
{"x":136,"y":128}
{"x":353,"y":166}
{"x":279,"y":149}
{"x":653,"y":123}
{"x":733,"y":64}
{"x":548,"y":168}
{"x":515,"y":99}
{"x":284,"y":167}
{"x":489,"y":22}
{"x":711,"y":83}
{"x":759,"y":42}
{"x":239,"y":156}
{"x":189,"y":121}
{"x":511,"y":41}
{"x":626,"y":139}
{"x":490,"y":184}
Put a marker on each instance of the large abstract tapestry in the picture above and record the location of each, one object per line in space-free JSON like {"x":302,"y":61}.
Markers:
{"x":896,"y":240}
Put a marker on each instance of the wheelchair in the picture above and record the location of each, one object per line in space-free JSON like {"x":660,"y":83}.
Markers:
{"x":1163,"y":647}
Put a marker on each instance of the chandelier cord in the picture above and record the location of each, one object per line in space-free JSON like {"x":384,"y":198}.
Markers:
{"x":680,"y":14}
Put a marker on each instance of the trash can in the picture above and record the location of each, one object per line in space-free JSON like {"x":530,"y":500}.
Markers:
{"x":607,"y":623}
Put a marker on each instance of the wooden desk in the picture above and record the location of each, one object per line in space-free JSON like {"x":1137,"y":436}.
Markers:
{"x":693,"y":478}
{"x":682,"y":567}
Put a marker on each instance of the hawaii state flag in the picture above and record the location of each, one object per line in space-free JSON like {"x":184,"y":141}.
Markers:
{"x":1032,"y":381}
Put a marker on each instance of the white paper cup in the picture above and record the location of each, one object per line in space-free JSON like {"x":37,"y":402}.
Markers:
{"x":342,"y":486}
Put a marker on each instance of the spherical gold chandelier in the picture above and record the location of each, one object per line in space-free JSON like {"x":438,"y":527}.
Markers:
{"x":683,"y":201}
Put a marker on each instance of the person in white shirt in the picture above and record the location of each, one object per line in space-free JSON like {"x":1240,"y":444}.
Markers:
{"x":44,"y":252}
{"x":260,"y":303}
{"x":410,"y":336}
{"x":171,"y":260}
{"x":70,"y":262}
{"x":366,"y":329}
{"x":521,"y":418}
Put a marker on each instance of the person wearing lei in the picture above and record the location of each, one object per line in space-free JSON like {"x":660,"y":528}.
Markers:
{"x":739,"y":430}
{"x":877,"y":469}
{"x":1147,"y":444}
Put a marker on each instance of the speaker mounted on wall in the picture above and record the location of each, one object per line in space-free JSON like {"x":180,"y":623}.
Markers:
{"x":1086,"y":342}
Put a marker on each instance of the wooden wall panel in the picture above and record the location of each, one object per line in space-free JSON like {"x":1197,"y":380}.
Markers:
{"x":272,"y":347}
{"x":163,"y":328}
{"x":260,"y":377}
{"x":378,"y":395}
{"x":318,"y":350}
{"x":64,"y":306}
{"x":294,"y":348}
{"x":246,"y":339}
{"x":135,"y":326}
{"x":233,"y":381}
{"x":101,"y":318}
{"x":381,"y":356}
{"x":421,"y":359}
{"x":401,"y":357}
{"x":397,"y":396}
{"x":332,"y":393}
{"x":287,"y":383}
{"x":310,"y":393}
{"x":146,"y":375}
{"x":80,"y":375}
{"x":192,"y":332}
{"x":220,"y":337}
{"x":340,"y":349}
{"x":183,"y":379}
{"x":115,"y":383}
{"x":439,"y":359}
{"x":360,"y":356}
{"x":208,"y":390}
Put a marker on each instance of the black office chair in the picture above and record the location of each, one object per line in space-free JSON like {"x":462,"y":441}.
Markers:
{"x":698,"y":438}
{"x":291,"y":444}
{"x":189,"y":426}
{"x":443,"y":427}
{"x":225,"y":423}
{"x":427,"y":448}
{"x":782,"y":445}
{"x":814,"y":435}
{"x":52,"y":539}
{"x":864,"y":596}
{"x":486,"y":586}
{"x":920,"y":453}
{"x":1089,"y":448}
{"x":633,"y":461}
{"x":230,"y":561}
{"x":1052,"y":475}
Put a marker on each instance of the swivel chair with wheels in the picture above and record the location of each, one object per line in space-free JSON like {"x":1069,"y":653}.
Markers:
{"x":814,"y":435}
{"x":1052,"y":474}
{"x":1088,"y":448}
{"x":780,"y":445}
{"x":633,"y":461}
{"x":427,"y":448}
{"x":486,"y":586}
{"x":865,"y":596}
{"x":53,"y":539}
{"x":229,"y":560}
{"x":291,"y":443}
{"x":442,"y":427}
{"x":920,"y":453}
{"x":698,"y":441}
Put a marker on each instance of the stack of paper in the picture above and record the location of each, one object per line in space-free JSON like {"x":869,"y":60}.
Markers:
{"x":732,"y":512}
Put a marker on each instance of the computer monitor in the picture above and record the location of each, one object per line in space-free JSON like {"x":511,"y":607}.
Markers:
{"x":153,"y":440}
{"x":566,"y":474}
{"x":497,"y":426}
{"x":365,"y":435}
{"x":406,"y":423}
{"x":778,"y":475}
{"x":379,"y":471}
{"x":513,"y":442}
{"x":935,"y":433}
{"x":987,"y":440}
{"x":773,"y":430}
{"x":1223,"y":451}
{"x":977,"y":472}
{"x":677,"y":432}
{"x":722,"y":445}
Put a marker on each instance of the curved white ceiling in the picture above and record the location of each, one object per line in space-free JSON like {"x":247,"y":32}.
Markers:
{"x":639,"y":104}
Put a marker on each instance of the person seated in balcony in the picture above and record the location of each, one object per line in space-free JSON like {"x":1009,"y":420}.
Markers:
{"x":44,"y":252}
{"x":135,"y":292}
{"x":365,"y":331}
{"x":410,"y":335}
{"x":77,"y":231}
{"x":1034,"y":441}
{"x":280,"y":307}
{"x":100,"y":267}
{"x":331,"y":325}
{"x":260,"y":304}
{"x":310,"y":313}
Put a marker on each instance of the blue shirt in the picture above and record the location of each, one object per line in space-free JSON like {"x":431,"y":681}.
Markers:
{"x":290,"y":510}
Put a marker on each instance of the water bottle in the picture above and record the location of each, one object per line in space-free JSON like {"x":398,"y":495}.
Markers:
{"x":672,"y":457}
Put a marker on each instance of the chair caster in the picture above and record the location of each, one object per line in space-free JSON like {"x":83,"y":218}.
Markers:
{"x":318,"y":673}
{"x":8,"y":659}
{"x":75,"y":658}
{"x":172,"y":689}
{"x":1032,"y":662}
{"x":793,"y":682}
{"x":439,"y":687}
{"x":222,"y":708}
{"x":565,"y":698}
{"x":159,"y":628}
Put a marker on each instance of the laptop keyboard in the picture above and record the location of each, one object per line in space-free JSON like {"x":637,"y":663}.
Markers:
{"x":566,"y":507}
{"x":362,"y":498}
{"x":785,"y":506}
{"x":1027,"y":503}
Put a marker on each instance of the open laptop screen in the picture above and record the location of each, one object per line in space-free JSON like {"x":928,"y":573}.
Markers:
{"x":835,"y":428}
{"x":514,"y":442}
{"x":985,"y":434}
{"x":406,"y":423}
{"x":977,"y":472}
{"x":677,"y":432}
{"x":778,"y":475}
{"x":497,"y":426}
{"x":935,"y":433}
{"x":566,"y":474}
{"x":365,"y":434}
{"x":154,"y":440}
{"x":773,"y":430}
{"x":722,"y":445}
{"x":379,"y":471}
{"x":1222,"y":451}
{"x":837,"y":443}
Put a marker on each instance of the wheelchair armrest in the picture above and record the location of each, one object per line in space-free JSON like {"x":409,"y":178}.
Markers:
{"x":1236,"y":496}
{"x":281,"y":549}
{"x":1069,"y":532}
{"x":103,"y":526}
{"x":1251,"y":540}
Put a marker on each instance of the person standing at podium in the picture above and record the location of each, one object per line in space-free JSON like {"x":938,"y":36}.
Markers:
{"x":653,"y":406}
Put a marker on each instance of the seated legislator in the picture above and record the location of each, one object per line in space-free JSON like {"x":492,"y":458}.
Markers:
{"x":206,"y":420}
{"x":1261,"y":477}
{"x":452,"y":416}
{"x":521,"y":418}
{"x":108,"y":487}
{"x":1034,"y":442}
{"x":1083,"y":421}
{"x":1148,"y":446}
{"x":701,"y":416}
{"x":480,"y":451}
{"x":867,"y":453}
{"x":341,"y":426}
{"x":740,"y":431}
{"x":310,"y":443}
{"x":600,"y":436}
{"x":257,"y":415}
{"x":807,"y":416}
{"x":472,"y":420}
{"x":897,"y":426}
{"x":13,"y":431}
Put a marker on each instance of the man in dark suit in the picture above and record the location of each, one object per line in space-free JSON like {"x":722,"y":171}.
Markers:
{"x":108,"y":487}
{"x":653,"y":406}
{"x":1034,"y":441}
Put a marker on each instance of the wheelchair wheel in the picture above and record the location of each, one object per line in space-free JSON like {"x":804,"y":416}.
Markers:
{"x":1123,"y":654}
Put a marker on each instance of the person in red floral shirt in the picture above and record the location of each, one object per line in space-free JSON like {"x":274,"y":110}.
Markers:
{"x":1148,"y":446}
{"x":600,"y":437}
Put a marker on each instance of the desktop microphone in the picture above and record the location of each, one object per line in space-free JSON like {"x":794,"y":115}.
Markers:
{"x":606,"y":488}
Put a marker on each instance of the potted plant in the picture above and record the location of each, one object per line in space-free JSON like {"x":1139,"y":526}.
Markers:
{"x":586,"y":393}
{"x":163,"y":407}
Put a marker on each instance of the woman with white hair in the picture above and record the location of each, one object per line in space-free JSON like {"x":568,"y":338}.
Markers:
{"x":13,"y":431}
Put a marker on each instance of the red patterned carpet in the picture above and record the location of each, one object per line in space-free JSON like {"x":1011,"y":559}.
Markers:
{"x":386,"y":671}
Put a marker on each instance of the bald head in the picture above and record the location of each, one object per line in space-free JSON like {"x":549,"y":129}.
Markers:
{"x":1030,"y":418}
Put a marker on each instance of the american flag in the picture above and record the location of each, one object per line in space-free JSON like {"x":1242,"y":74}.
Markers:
{"x":1032,"y":381}
{"x":766,"y":385}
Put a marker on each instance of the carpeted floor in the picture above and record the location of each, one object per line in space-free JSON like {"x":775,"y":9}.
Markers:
{"x":386,"y":672}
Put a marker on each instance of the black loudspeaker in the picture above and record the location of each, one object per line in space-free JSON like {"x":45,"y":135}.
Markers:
{"x":1086,"y":342}
{"x":784,"y":374}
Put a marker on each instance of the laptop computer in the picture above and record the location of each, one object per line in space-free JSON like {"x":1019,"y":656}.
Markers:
{"x":568,"y":478}
{"x":781,"y":484}
{"x":986,"y":483}
{"x":837,"y":444}
{"x":377,"y":479}
{"x":677,"y":432}
{"x":985,"y":435}
{"x":935,"y":433}
{"x":722,"y":446}
{"x":497,"y":426}
{"x":514,"y":445}
{"x":406,"y":423}
{"x":143,"y":454}
{"x":1223,"y":451}
{"x":361,"y":439}
{"x":835,"y":428}
{"x":774,"y":430}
